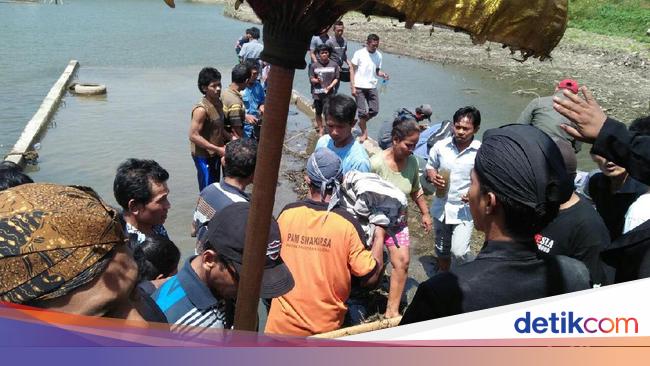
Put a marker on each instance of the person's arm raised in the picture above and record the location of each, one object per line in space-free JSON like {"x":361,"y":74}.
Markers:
{"x":611,"y":138}
{"x":587,"y":116}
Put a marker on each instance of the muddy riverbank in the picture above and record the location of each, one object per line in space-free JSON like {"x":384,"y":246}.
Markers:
{"x":299,"y":143}
{"x":616,"y":69}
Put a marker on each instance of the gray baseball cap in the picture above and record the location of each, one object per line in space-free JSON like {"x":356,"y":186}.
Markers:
{"x":425,"y":110}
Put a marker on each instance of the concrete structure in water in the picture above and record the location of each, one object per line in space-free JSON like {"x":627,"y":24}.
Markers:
{"x":42,"y":115}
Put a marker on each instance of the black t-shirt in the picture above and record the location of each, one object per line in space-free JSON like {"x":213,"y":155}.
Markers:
{"x":503,"y":273}
{"x":612,"y":207}
{"x":630,"y":254}
{"x":327,"y":74}
{"x":577,"y":232}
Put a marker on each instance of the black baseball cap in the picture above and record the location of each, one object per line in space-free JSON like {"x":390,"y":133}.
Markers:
{"x":226,"y":235}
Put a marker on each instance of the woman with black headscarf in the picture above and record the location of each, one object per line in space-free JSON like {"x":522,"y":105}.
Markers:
{"x":518,"y":183}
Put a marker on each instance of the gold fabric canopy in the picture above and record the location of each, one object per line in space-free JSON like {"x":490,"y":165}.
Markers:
{"x":534,"y":27}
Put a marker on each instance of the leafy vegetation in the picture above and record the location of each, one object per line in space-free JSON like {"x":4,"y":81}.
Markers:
{"x":626,"y":18}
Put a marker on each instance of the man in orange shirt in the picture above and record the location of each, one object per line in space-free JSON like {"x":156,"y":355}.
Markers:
{"x":323,"y":247}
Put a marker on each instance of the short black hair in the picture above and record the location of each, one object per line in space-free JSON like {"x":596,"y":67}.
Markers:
{"x":470,"y":112}
{"x":403,"y":127}
{"x":372,"y":37}
{"x":323,"y":47}
{"x":241,"y":157}
{"x":11,"y":175}
{"x":341,"y":108}
{"x":641,"y":126}
{"x":206,"y":76}
{"x":338,"y":22}
{"x":252,"y":64}
{"x":133,"y":181}
{"x":240,"y":73}
{"x":156,"y":255}
{"x":254,"y":32}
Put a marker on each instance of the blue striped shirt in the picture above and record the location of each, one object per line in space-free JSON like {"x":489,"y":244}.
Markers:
{"x":188,"y":303}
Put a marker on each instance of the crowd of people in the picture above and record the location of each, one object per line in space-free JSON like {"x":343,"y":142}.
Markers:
{"x":63,"y":248}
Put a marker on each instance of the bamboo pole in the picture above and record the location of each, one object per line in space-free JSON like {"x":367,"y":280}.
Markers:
{"x":266,"y":178}
{"x":361,"y":328}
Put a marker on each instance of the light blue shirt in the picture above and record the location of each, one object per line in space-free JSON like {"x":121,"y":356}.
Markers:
{"x":445,"y":155}
{"x":253,"y":97}
{"x":353,"y":156}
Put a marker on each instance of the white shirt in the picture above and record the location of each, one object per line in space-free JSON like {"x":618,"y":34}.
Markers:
{"x":637,"y":213}
{"x":251,"y":49}
{"x":365,"y":75}
{"x":445,"y":155}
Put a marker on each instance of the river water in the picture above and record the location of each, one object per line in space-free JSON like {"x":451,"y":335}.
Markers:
{"x":149,"y":56}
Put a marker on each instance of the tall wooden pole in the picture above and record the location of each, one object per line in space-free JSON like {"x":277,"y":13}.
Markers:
{"x":269,"y":153}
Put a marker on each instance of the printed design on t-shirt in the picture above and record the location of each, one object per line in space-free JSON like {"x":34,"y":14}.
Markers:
{"x":544,"y":244}
{"x":300,"y":241}
{"x":326,"y":75}
{"x":205,"y":210}
{"x":325,"y":69}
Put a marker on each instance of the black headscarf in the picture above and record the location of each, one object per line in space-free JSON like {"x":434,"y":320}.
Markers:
{"x":522,"y":163}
